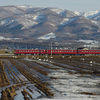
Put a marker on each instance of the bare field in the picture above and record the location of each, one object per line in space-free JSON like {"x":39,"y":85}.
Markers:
{"x":60,"y":77}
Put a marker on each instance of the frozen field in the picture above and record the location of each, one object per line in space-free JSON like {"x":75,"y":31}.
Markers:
{"x":59,"y":79}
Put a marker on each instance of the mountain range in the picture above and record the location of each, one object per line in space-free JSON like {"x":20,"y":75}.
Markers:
{"x":48,"y":23}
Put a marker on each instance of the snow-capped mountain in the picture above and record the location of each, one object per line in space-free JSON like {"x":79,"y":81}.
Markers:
{"x":91,"y":14}
{"x":27,"y":21}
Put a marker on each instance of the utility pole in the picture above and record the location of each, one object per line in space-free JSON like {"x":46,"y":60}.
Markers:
{"x":49,"y":45}
{"x":51,"y":49}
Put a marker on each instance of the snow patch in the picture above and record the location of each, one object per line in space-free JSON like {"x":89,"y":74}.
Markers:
{"x":25,"y":8}
{"x":47,"y":36}
{"x":40,"y":18}
{"x":95,"y":22}
{"x":3,"y":38}
{"x":7,"y":21}
{"x":68,"y":20}
{"x":13,"y":10}
{"x":58,"y":10}
{"x":52,"y":24}
{"x":77,"y":13}
{"x":88,"y":41}
{"x":91,"y":14}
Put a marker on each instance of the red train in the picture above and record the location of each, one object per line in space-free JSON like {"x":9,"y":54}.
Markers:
{"x":56,"y":52}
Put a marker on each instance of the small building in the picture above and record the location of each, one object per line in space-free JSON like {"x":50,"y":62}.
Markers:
{"x":82,"y":48}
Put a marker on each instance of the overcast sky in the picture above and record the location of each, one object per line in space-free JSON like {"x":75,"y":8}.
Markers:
{"x":72,"y":5}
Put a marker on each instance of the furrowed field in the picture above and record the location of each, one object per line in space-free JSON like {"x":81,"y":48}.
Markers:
{"x":45,"y":78}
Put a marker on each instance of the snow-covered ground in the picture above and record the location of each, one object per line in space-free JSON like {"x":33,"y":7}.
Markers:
{"x":73,"y":86}
{"x":70,"y":87}
{"x":64,"y":85}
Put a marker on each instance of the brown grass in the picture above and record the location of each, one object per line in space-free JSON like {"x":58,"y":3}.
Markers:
{"x":87,"y":93}
{"x":8,"y":94}
{"x":25,"y":93}
{"x":4,"y":81}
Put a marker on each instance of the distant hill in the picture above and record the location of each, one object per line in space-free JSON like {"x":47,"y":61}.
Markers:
{"x":46,"y":23}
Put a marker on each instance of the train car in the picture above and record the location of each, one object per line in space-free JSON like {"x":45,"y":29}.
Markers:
{"x":27,"y":51}
{"x":88,"y":52}
{"x":56,"y":52}
{"x":61,"y":52}
{"x":42,"y":51}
